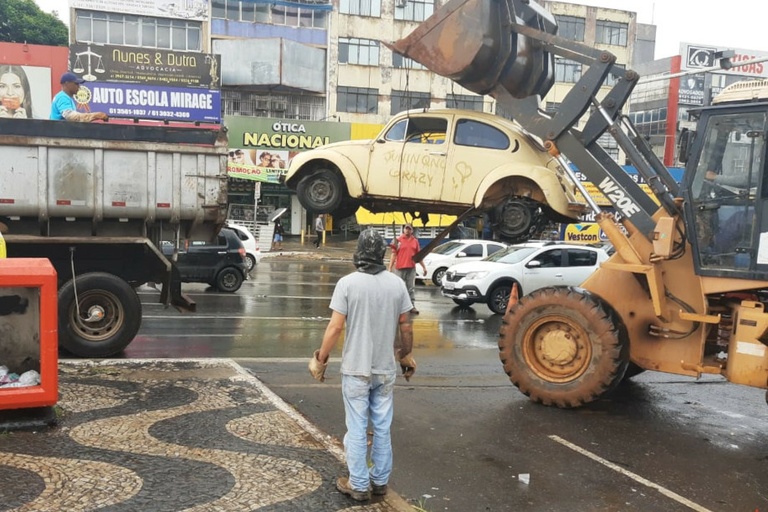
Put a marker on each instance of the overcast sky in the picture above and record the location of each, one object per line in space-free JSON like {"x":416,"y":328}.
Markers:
{"x":732,"y":24}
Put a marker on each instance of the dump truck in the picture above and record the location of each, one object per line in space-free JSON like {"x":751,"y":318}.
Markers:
{"x":97,"y":200}
{"x":687,"y":288}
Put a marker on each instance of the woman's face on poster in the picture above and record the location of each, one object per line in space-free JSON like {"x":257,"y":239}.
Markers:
{"x":11,"y":91}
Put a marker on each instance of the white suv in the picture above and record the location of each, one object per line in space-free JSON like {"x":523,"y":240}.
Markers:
{"x":531,"y":265}
{"x":455,"y":251}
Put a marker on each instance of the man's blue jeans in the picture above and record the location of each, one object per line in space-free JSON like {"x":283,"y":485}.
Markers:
{"x":366,"y":398}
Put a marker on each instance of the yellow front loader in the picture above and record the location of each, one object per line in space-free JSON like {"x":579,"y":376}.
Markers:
{"x":687,"y":288}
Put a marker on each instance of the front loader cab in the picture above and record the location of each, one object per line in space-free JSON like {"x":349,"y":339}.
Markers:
{"x":726,"y":184}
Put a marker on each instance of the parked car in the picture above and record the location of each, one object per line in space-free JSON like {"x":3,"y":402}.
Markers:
{"x":452,"y":252}
{"x":441,"y":161}
{"x":221,"y":264}
{"x":252,"y":250}
{"x":531,"y":265}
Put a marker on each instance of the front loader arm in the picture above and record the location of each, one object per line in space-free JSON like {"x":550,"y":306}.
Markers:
{"x":528,"y":34}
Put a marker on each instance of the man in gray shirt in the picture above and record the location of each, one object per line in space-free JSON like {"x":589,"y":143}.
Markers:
{"x":375,"y":305}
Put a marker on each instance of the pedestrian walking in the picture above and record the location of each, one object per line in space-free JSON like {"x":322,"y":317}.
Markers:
{"x":404,"y":248}
{"x":374,"y":305}
{"x":277,"y":241}
{"x":319,"y":230}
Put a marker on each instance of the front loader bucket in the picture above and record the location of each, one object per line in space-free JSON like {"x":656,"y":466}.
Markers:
{"x":473,"y":43}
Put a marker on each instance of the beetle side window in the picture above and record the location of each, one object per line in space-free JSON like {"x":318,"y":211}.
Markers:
{"x":427,"y":130}
{"x":479,"y":135}
{"x":581,"y":258}
{"x":397,"y":132}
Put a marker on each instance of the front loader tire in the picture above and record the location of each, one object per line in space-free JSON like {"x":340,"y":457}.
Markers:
{"x":563,"y":346}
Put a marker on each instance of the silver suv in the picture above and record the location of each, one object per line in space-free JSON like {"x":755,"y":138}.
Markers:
{"x":532,"y":265}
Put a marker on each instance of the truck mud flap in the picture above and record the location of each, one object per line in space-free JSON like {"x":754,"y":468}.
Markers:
{"x":171,"y":293}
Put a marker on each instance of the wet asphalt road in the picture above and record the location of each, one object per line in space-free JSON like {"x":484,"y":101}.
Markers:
{"x":462,"y":433}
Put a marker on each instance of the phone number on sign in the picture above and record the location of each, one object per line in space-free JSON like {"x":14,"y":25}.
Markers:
{"x":138,"y":112}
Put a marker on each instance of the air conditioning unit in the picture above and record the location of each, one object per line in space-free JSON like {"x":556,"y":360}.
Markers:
{"x":278,"y":106}
{"x":401,"y":3}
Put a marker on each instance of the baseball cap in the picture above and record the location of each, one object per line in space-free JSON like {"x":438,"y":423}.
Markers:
{"x":71,"y":77}
{"x":408,"y":225}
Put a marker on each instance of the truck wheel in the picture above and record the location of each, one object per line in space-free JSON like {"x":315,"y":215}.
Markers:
{"x":516,"y":220}
{"x":498,"y":297}
{"x":563,"y":346}
{"x":229,"y":280}
{"x":321,"y":192}
{"x":438,"y":275}
{"x":109,"y":315}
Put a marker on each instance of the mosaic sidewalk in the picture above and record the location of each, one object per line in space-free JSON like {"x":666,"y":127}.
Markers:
{"x":172,"y":435}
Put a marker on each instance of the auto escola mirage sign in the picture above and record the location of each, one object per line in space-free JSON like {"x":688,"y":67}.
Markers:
{"x":262,"y":148}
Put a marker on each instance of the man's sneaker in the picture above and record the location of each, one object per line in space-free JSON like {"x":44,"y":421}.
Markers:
{"x":379,"y":490}
{"x":342,"y":484}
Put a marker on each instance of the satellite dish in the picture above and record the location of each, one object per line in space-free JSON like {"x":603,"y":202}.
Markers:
{"x":277,"y":214}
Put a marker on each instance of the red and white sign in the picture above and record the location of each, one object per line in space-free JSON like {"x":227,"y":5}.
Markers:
{"x":699,"y":56}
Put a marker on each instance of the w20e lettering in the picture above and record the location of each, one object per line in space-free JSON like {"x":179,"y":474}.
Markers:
{"x":618,"y":197}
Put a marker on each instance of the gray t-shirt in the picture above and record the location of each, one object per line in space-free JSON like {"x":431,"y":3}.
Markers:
{"x":372,"y":305}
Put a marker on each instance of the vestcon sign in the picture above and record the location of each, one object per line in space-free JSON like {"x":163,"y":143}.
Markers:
{"x":262,"y":148}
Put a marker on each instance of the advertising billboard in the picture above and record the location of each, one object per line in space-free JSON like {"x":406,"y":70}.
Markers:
{"x":150,"y":102}
{"x":25,"y":92}
{"x":691,"y":90}
{"x":182,"y":9}
{"x":261,"y":148}
{"x":148,"y":83}
{"x":148,"y":66}
{"x":702,"y":56}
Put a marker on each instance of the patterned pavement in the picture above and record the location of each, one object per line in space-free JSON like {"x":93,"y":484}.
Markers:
{"x":173,"y":435}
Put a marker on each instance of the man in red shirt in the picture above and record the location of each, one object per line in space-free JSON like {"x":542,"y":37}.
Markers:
{"x":404,"y":248}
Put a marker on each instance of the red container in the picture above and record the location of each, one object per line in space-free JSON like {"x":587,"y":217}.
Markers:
{"x":29,"y":327}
